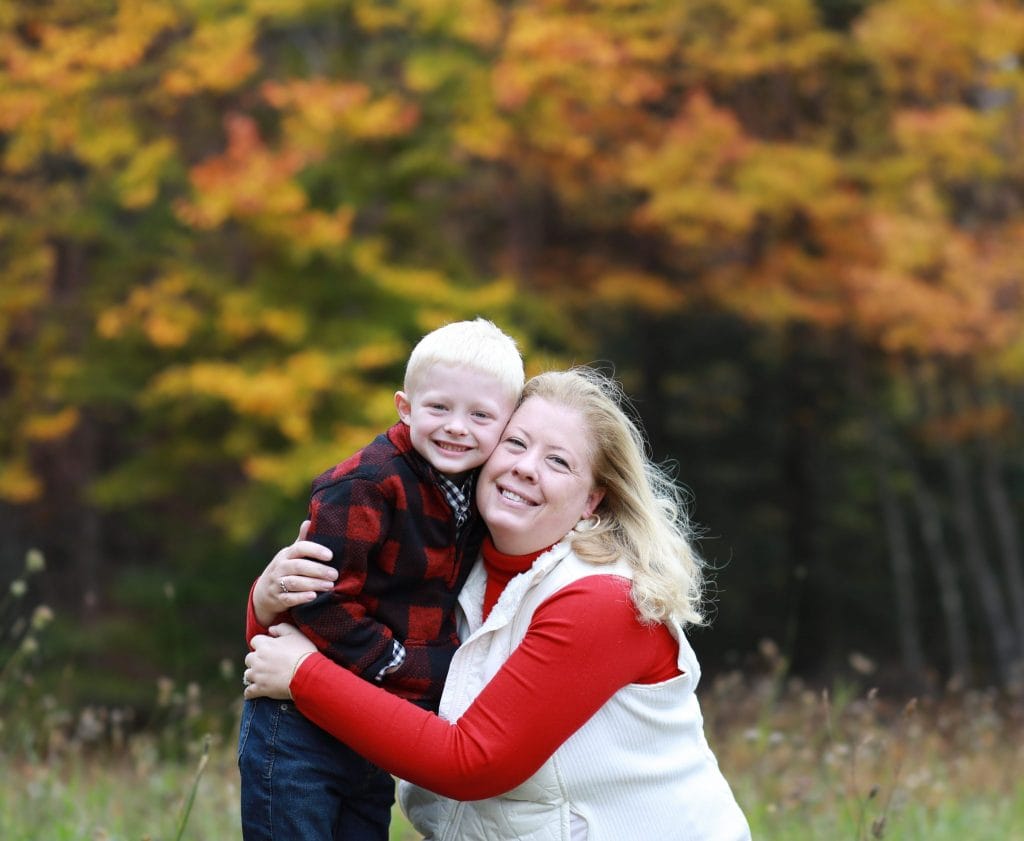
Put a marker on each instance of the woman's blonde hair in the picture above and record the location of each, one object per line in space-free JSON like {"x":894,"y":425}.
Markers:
{"x":643,"y":516}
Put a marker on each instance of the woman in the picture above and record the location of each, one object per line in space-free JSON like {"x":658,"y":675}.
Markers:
{"x":569,"y":712}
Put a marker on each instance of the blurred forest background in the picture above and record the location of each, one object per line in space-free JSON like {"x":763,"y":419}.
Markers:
{"x":795,"y":229}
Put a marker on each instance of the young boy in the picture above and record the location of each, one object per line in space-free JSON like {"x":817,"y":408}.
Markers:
{"x":399,"y":518}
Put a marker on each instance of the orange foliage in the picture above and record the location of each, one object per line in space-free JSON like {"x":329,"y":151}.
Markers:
{"x":247,"y":180}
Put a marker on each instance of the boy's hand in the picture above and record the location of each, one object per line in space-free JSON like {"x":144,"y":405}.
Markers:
{"x":294,"y":576}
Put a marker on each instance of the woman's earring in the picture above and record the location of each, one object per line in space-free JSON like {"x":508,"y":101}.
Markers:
{"x":587,"y":523}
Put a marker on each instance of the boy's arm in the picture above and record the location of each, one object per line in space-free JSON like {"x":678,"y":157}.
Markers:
{"x":350,"y":517}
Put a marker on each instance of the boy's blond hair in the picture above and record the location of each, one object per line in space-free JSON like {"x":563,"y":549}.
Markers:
{"x":476,"y":344}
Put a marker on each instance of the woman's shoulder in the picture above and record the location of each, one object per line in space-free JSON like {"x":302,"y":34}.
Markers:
{"x":575,"y":567}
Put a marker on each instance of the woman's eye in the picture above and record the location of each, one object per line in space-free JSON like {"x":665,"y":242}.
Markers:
{"x":561,"y":462}
{"x":515,"y":442}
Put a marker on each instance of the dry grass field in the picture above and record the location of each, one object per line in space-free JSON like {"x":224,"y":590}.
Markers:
{"x":805,"y":763}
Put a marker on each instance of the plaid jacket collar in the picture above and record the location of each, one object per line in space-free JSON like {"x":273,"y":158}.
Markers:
{"x":459,"y":495}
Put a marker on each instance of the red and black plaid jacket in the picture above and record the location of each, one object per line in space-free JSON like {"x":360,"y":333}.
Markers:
{"x":383,"y":515}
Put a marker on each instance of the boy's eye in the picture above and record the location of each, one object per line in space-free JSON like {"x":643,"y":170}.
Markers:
{"x":481,"y":416}
{"x":436,"y":405}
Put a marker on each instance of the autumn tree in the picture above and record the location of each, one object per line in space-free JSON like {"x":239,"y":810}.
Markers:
{"x":221,"y":234}
{"x":795,"y":233}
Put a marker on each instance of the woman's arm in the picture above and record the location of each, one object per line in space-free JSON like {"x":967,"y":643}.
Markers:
{"x":294,"y":576}
{"x":584,"y":644}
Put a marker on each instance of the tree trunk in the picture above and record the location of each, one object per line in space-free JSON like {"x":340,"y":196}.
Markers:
{"x":900,"y":557}
{"x":1007,"y":536}
{"x":881,"y":451}
{"x":937,"y":550}
{"x":977,"y":563}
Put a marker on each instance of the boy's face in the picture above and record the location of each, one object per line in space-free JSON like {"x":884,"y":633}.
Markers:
{"x":455,"y":417}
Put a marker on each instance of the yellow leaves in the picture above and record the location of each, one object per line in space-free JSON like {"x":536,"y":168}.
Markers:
{"x":56,"y":90}
{"x":388,"y":116}
{"x":138,"y":181}
{"x":962,"y":38}
{"x":23,"y":288}
{"x":779,"y":177}
{"x":427,"y":286}
{"x":485,"y":135}
{"x":569,"y":58}
{"x":937,"y":290}
{"x":244,"y":315}
{"x":218,"y":57}
{"x":162,"y":311}
{"x":630,"y":288}
{"x":292,"y":470}
{"x":787,"y":285}
{"x":475,"y":21}
{"x":741,"y":39}
{"x":951,"y":142}
{"x":137,"y":23}
{"x":282,"y":395}
{"x":105,"y":135}
{"x":688,"y":176}
{"x":18,"y":484}
{"x":263,"y":394}
{"x":320,"y":102}
{"x":318,"y":109}
{"x":51,"y":426}
{"x":70,"y":58}
{"x":379,"y":354}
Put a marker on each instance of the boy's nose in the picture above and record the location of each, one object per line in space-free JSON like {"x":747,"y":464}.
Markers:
{"x":455,"y":426}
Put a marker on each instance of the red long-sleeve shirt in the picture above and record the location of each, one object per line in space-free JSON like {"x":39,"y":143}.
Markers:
{"x":584,"y":643}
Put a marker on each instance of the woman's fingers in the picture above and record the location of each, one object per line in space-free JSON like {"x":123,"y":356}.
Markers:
{"x":310,"y":549}
{"x":303,"y":579}
{"x":304,"y":568}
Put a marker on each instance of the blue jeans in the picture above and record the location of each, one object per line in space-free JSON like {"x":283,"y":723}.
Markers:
{"x":299,"y":783}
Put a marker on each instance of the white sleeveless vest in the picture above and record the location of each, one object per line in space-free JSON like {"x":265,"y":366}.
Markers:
{"x":640,"y":768}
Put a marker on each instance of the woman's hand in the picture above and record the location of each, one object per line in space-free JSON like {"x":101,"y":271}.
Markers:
{"x":293,"y":577}
{"x":273,"y":661}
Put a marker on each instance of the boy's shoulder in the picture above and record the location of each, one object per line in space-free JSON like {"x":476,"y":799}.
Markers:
{"x":376,"y":461}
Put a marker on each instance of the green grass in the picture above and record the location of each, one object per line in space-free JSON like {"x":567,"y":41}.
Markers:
{"x":805,"y":764}
{"x":802,"y":764}
{"x":128,"y":797}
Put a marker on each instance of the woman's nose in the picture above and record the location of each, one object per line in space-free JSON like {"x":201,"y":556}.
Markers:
{"x":526,"y":467}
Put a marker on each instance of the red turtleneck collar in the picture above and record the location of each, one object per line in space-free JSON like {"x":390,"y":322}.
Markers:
{"x":501,"y":569}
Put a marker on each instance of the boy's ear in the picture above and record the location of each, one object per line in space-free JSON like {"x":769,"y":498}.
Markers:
{"x":404,"y":407}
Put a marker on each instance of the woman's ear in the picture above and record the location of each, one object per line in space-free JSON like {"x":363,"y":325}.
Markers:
{"x":404,"y":407}
{"x":593,"y":500}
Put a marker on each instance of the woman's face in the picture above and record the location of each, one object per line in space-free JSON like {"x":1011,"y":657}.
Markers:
{"x":539,"y":481}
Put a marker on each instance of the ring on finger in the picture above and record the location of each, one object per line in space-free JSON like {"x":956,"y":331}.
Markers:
{"x":282,"y":585}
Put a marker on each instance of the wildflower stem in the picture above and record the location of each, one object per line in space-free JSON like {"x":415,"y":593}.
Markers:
{"x":187,"y":808}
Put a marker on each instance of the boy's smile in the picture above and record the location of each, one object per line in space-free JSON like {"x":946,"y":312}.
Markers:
{"x":455,"y":417}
